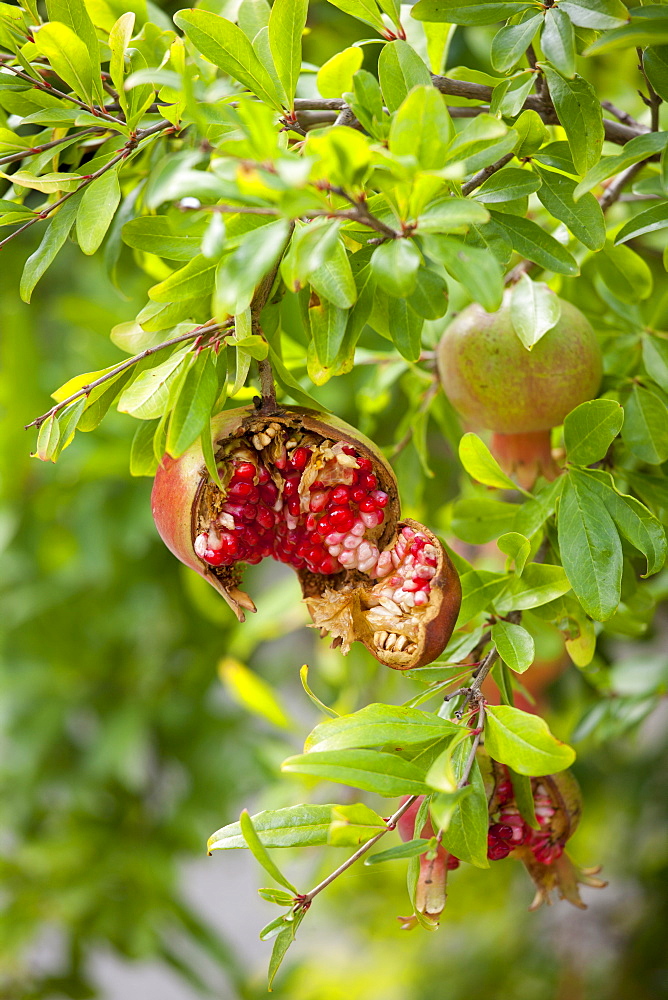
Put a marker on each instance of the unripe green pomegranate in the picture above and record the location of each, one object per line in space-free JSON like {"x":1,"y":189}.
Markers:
{"x":494,"y":382}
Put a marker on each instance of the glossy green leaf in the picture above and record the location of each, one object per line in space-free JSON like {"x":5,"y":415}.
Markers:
{"x":142,"y":458}
{"x":260,"y":852}
{"x":584,"y":217}
{"x":239,"y":273}
{"x":411,"y":849}
{"x":400,"y":69}
{"x":531,"y":131}
{"x":145,"y":398}
{"x":517,"y":547}
{"x":635,"y":150}
{"x":47,"y":439}
{"x":467,"y":11}
{"x":394,"y":266}
{"x":335,"y":76}
{"x":441,"y":774}
{"x":430,"y":298}
{"x":511,"y":42}
{"x":444,"y":805}
{"x":530,"y":240}
{"x":509,"y":95}
{"x":558,"y":41}
{"x":195,"y":280}
{"x":655,"y":66}
{"x":153,"y":234}
{"x":466,"y":835}
{"x":590,"y":549}
{"x":96,"y":211}
{"x":479,"y":589}
{"x":422,"y":128}
{"x":481,"y":465}
{"x":514,"y":644}
{"x":534,"y":309}
{"x":579,"y":112}
{"x":372,"y":771}
{"x":507,"y":185}
{"x":282,"y":942}
{"x":328,"y":327}
{"x":58,"y":229}
{"x":193,"y":407}
{"x":599,"y":14}
{"x":655,"y":359}
{"x":624,"y":272}
{"x":119,"y":40}
{"x":333,"y":278}
{"x":352,"y":825}
{"x":447,"y":214}
{"x":69,"y":56}
{"x":286,"y":27}
{"x":645,"y":430}
{"x":524,"y":742}
{"x":364,"y":10}
{"x":590,"y":429}
{"x":634,"y":521}
{"x":378,"y":725}
{"x":477,"y":520}
{"x":292,"y":826}
{"x":648,"y":221}
{"x":637,"y":34}
{"x":538,"y":584}
{"x":225,"y":45}
{"x":477,"y":270}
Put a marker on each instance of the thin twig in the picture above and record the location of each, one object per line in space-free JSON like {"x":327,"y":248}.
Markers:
{"x":198,"y":331}
{"x":359,"y":214}
{"x":390,"y":824}
{"x":615,"y":188}
{"x":34,"y":150}
{"x":486,"y":172}
{"x":48,"y":89}
{"x":480,"y":725}
{"x":623,"y":116}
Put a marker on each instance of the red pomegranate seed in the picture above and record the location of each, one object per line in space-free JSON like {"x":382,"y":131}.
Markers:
{"x":318,"y":501}
{"x":325,"y":525}
{"x":500,"y":831}
{"x":496,"y":852}
{"x":244,"y":470}
{"x":339,"y":495}
{"x":300,"y":457}
{"x":249,"y":512}
{"x":348,"y":449}
{"x":452,"y":862}
{"x":269,"y":494}
{"x":214,"y":557}
{"x":317,"y":485}
{"x":367,"y":506}
{"x":311,"y":522}
{"x":262,"y":475}
{"x":294,"y":507}
{"x":265,"y":518}
{"x":368,"y":481}
{"x":379,"y":498}
{"x":291,"y":486}
{"x":241,"y":490}
{"x":342,"y":518}
{"x":330,"y":565}
{"x":364,"y":464}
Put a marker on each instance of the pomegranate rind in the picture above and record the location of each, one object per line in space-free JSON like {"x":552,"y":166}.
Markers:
{"x":493,"y":381}
{"x":184,"y":497}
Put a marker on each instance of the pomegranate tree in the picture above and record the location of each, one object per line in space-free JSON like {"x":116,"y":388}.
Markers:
{"x":495,"y":382}
{"x":312,"y":492}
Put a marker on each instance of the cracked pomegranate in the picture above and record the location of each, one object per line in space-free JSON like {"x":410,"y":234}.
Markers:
{"x":494,"y":382}
{"x":310,"y":491}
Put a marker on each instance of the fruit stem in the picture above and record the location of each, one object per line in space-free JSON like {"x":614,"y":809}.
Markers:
{"x":267,"y":387}
{"x":525,"y":456}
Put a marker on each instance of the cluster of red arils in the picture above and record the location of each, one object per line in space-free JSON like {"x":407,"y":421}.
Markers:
{"x":557,"y":806}
{"x":310,"y":491}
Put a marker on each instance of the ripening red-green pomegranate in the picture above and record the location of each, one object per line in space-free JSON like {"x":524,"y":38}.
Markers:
{"x":494,"y":382}
{"x":310,"y":491}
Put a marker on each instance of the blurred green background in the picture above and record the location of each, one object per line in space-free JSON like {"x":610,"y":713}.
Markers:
{"x":122,"y":749}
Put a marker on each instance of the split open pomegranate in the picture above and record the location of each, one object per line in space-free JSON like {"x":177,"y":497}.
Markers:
{"x":310,"y":491}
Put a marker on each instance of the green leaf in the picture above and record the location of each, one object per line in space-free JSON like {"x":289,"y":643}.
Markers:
{"x":282,"y":942}
{"x":477,"y":270}
{"x":363,"y":10}
{"x":534,"y":309}
{"x":400,"y":69}
{"x":507,"y":185}
{"x":352,"y":825}
{"x":240,"y":272}
{"x":142,"y":457}
{"x":655,"y":359}
{"x":509,"y":95}
{"x":538,"y":584}
{"x":278,"y":896}
{"x":226,"y":46}
{"x":422,"y":128}
{"x":378,"y":725}
{"x":524,"y":742}
{"x":119,"y":40}
{"x":579,"y":112}
{"x":335,"y":76}
{"x":479,"y":589}
{"x":372,"y":771}
{"x":511,"y":42}
{"x":292,"y":826}
{"x":517,"y":547}
{"x":477,"y":520}
{"x":599,"y":14}
{"x":96,"y":210}
{"x":146,"y":397}
{"x":333,"y":278}
{"x":590,"y":429}
{"x":195,"y":280}
{"x":441,"y":775}
{"x":515,"y":645}
{"x":648,"y":221}
{"x":153,"y":234}
{"x":639,"y":33}
{"x":466,"y":11}
{"x":69,"y":57}
{"x":532,"y":242}
{"x":466,"y":835}
{"x":58,"y":229}
{"x":193,"y":406}
{"x":480,"y":142}
{"x":558,"y":41}
{"x":328,"y":327}
{"x":624,"y":272}
{"x":51,"y":183}
{"x":637,"y":149}
{"x":446,"y":214}
{"x":444,"y":805}
{"x":590,"y":549}
{"x":394,"y":265}
{"x":481,"y":465}
{"x":532,"y":133}
{"x":645,"y":430}
{"x":584,"y":218}
{"x":47,"y":439}
{"x":303,"y":676}
{"x":286,"y":27}
{"x":406,"y":329}
{"x":411,"y":849}
{"x":635,"y":522}
{"x":430,"y":298}
{"x":259,"y":851}
{"x":655,"y":66}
